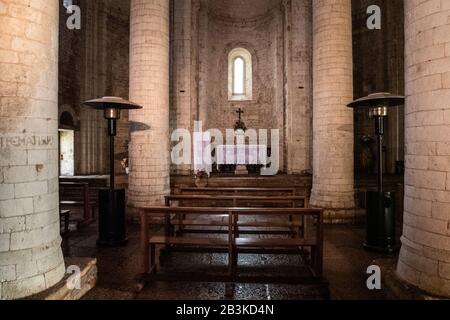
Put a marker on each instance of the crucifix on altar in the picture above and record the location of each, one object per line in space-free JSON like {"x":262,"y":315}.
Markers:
{"x":240,"y":128}
{"x":239,"y":125}
{"x":240,"y":152}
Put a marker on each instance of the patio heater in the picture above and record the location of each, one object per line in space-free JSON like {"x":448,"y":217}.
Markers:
{"x":380,"y":226}
{"x":111,"y":219}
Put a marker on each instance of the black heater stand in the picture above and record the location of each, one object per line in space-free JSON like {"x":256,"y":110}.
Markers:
{"x":111,"y":219}
{"x":380,"y":218}
{"x":380,"y":206}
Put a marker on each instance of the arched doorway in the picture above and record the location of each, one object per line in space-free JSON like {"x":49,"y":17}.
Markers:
{"x":67,"y":128}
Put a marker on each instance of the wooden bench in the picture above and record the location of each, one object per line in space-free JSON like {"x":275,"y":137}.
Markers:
{"x":233,"y":201}
{"x":233,"y":244}
{"x":288,"y":191}
{"x":77,"y":195}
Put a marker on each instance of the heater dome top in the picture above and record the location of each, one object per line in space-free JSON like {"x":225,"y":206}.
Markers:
{"x":112,"y":102}
{"x":380,"y":99}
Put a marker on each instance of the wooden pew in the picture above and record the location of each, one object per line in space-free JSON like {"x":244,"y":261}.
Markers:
{"x":235,"y":201}
{"x":75,"y":194}
{"x":234,"y":244}
{"x":288,"y":191}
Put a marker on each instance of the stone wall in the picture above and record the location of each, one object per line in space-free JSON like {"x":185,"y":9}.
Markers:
{"x":263,"y":39}
{"x":183,"y":70}
{"x":277,"y":33}
{"x":298,"y":66}
{"x":333,"y":175}
{"x":149,"y":86}
{"x":30,"y":255}
{"x":94,"y":63}
{"x":378,"y":67}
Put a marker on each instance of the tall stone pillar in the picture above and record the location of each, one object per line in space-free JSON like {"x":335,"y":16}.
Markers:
{"x":149,"y":86}
{"x":30,"y":254}
{"x":333,"y":179}
{"x":425,"y":255}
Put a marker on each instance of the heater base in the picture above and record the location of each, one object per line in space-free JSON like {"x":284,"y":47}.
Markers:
{"x":380,"y":225}
{"x":386,"y":250}
{"x":111,"y":218}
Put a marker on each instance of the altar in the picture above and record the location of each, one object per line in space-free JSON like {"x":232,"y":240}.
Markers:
{"x":241,"y":154}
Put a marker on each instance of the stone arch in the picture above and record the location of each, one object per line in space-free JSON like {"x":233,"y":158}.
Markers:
{"x":67,"y":118}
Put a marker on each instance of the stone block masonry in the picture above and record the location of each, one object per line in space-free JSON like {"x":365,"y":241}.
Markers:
{"x":425,"y":255}
{"x":30,"y":254}
{"x":149,"y":179}
{"x":333,"y":177}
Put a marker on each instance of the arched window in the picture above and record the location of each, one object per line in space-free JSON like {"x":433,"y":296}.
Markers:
{"x":240,"y":76}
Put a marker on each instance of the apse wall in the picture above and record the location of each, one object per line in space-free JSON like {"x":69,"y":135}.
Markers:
{"x":278,"y":35}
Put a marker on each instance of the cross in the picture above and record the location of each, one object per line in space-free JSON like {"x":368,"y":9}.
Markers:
{"x":239,"y":111}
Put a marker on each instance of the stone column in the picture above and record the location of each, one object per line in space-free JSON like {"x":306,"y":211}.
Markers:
{"x":182,"y":71}
{"x":298,"y":42}
{"x":333,"y":183}
{"x":93,"y":145}
{"x":30,"y":254}
{"x":149,"y":86}
{"x":425,"y":255}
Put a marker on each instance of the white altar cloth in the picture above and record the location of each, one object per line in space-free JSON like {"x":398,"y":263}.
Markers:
{"x":241,"y":154}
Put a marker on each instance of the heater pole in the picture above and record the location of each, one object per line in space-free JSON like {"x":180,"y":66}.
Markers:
{"x":380,"y":163}
{"x":112,"y":133}
{"x":379,"y":130}
{"x":111,"y":162}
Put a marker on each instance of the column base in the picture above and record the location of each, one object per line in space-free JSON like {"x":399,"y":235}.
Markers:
{"x":339,"y":208}
{"x":62,"y":291}
{"x":399,"y":289}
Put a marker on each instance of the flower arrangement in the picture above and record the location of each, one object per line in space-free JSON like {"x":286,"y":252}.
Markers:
{"x":125,"y":165}
{"x":201,"y":179}
{"x":201,"y":174}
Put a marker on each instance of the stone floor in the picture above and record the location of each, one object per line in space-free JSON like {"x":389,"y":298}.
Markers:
{"x":345,"y":265}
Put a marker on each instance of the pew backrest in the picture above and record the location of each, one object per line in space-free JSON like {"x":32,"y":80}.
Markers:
{"x":238,"y":190}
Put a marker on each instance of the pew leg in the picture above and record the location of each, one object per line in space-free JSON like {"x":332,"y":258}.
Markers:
{"x":293,"y":231}
{"x":66,"y":222}
{"x":181,"y":218}
{"x":145,"y":260}
{"x":93,"y":215}
{"x":152,"y":257}
{"x":229,"y":290}
{"x":316,"y":261}
{"x":235,"y":263}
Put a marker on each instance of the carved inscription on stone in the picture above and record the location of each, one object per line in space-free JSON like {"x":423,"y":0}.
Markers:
{"x":26,"y":141}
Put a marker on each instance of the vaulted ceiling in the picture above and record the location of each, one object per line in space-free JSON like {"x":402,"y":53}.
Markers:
{"x":241,"y":9}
